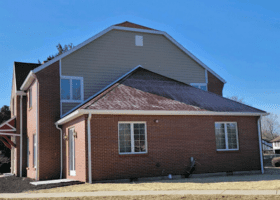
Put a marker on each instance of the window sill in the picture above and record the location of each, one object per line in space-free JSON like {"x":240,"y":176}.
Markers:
{"x":71,"y":101}
{"x":226,"y":150}
{"x":133,"y":154}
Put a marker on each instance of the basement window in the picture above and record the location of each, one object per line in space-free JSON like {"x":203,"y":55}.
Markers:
{"x":226,"y":136}
{"x":132,"y":138}
{"x":71,"y":89}
{"x":138,"y":40}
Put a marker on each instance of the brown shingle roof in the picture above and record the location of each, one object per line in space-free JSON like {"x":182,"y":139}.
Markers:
{"x":146,"y":90}
{"x":132,"y":25}
{"x":22,"y":70}
{"x":276,"y":139}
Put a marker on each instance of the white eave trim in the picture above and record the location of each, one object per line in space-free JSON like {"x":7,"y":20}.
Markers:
{"x":78,"y":113}
{"x":124,"y":29}
{"x":29,"y":79}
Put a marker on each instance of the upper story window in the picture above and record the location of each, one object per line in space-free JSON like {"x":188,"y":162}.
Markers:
{"x":132,"y":137}
{"x":138,"y":40}
{"x":202,"y":86}
{"x":30,"y":97}
{"x":71,"y":89}
{"x":226,"y":136}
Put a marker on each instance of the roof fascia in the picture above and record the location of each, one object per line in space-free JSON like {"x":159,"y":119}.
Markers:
{"x":99,"y":92}
{"x":6,"y":122}
{"x":78,"y":113}
{"x":29,"y":79}
{"x":127,"y":29}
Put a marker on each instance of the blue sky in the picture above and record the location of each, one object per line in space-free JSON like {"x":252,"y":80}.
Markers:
{"x":239,"y":40}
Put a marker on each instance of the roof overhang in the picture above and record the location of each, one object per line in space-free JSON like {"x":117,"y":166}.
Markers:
{"x":81,"y":112}
{"x":29,"y":79}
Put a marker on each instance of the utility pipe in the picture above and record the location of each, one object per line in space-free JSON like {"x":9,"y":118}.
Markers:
{"x":89,"y":149}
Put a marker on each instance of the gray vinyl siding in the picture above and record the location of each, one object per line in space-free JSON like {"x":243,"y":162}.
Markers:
{"x":68,"y":106}
{"x":107,"y":58}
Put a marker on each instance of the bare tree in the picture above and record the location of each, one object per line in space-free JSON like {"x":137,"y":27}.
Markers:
{"x":236,"y":98}
{"x":270,"y":126}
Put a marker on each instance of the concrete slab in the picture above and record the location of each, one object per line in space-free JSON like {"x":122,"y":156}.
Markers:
{"x":51,"y":182}
{"x":198,"y":192}
{"x":250,"y":192}
{"x":6,"y":174}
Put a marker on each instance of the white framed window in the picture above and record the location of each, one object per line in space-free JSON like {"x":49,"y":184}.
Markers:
{"x":138,"y":40}
{"x":71,"y":89}
{"x":72,"y":166}
{"x":202,"y":86}
{"x":132,"y":137}
{"x":30,"y":97}
{"x":34,"y":151}
{"x":226,"y":136}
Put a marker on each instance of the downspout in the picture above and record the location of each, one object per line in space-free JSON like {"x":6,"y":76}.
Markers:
{"x":260,"y":143}
{"x":37,"y":131}
{"x":89,"y":149}
{"x":61,"y":161}
{"x":20,"y":135}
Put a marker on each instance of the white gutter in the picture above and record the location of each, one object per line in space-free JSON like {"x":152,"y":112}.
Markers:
{"x":89,"y":149}
{"x":80,"y":112}
{"x":260,"y":143}
{"x":61,"y":158}
{"x":28,"y":80}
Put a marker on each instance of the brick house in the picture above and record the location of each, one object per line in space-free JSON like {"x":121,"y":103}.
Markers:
{"x":129,"y":102}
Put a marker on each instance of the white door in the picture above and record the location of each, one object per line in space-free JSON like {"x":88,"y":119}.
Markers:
{"x":72,"y":153}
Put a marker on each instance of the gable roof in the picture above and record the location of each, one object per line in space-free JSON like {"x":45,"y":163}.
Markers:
{"x":22,"y":70}
{"x":143,"y":82}
{"x":126,"y":26}
{"x":132,"y":25}
{"x":143,"y":90}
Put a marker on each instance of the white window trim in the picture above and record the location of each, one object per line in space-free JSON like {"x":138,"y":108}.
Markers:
{"x":71,"y":95}
{"x":72,"y":172}
{"x":30,"y":98}
{"x":226,"y":136}
{"x":132,"y":137}
{"x":199,"y":85}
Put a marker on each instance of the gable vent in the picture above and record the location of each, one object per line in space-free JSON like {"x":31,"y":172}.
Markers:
{"x":138,"y":40}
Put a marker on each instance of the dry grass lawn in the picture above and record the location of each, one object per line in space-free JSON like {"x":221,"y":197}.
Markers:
{"x":171,"y":197}
{"x":268,"y":181}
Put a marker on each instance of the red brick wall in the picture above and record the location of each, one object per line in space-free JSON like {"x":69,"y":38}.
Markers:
{"x":31,"y":127}
{"x":79,"y":125}
{"x":49,"y":113}
{"x":214,"y":84}
{"x":171,"y":143}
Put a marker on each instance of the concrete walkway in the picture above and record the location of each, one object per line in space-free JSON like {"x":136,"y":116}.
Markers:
{"x":124,"y":193}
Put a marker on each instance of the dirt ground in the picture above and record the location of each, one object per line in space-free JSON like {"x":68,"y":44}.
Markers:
{"x":270,"y":180}
{"x":170,"y":197}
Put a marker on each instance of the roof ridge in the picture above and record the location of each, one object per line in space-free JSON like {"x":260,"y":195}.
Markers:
{"x":133,"y":25}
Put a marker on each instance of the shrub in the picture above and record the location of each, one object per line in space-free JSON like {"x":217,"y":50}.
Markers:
{"x":275,"y":162}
